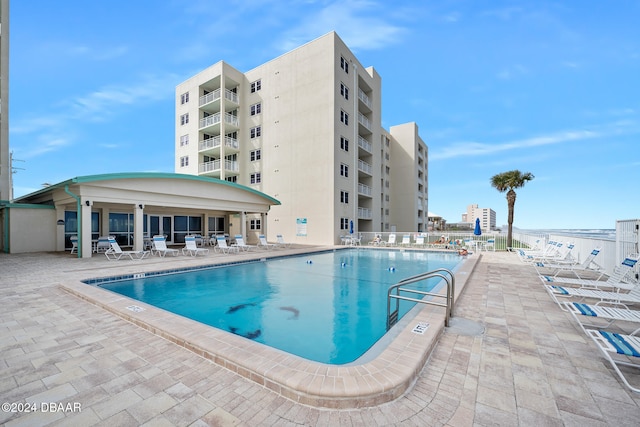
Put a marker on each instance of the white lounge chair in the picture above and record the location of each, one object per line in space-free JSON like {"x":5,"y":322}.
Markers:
{"x":223,"y":247}
{"x":419,"y":241}
{"x":617,"y":280}
{"x":588,"y":265}
{"x":391,"y":241}
{"x":116,"y":253}
{"x":281,"y":241}
{"x":264,"y":244}
{"x":160,"y":247}
{"x":406,"y":240}
{"x":191,"y":248}
{"x":595,"y":315}
{"x":241,"y":244}
{"x":618,"y":349}
{"x":535,"y":254}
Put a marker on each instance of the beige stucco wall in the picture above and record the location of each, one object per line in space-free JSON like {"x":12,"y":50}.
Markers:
{"x":32,"y":229}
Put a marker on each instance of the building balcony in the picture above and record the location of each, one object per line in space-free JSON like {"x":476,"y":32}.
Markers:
{"x":211,"y":100}
{"x":364,"y":99}
{"x":364,"y":213}
{"x":212,"y":123}
{"x":365,"y":168}
{"x":211,"y":146}
{"x":364,"y":123}
{"x":364,"y":190}
{"x":365,"y":145}
{"x":214,"y":168}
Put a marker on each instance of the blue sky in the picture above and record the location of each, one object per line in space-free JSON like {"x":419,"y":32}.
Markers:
{"x":547,"y":87}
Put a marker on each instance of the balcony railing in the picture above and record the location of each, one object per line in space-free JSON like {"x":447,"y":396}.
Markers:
{"x":208,"y":144}
{"x":214,"y":166}
{"x":364,"y":167}
{"x":214,"y":119}
{"x":364,"y":189}
{"x":364,"y":213}
{"x":215,"y":95}
{"x":364,"y":98}
{"x":364,"y":121}
{"x":364,"y":144}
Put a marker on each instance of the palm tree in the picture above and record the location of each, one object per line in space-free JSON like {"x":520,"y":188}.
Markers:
{"x":507,"y":181}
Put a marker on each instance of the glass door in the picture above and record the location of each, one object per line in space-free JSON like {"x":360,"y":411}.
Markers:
{"x":162,"y":225}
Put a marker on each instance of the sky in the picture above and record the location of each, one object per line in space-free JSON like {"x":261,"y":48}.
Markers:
{"x":546,"y":87}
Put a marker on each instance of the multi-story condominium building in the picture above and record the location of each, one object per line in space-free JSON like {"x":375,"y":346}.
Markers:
{"x":487,"y":217}
{"x":5,"y":157}
{"x":304,"y":128}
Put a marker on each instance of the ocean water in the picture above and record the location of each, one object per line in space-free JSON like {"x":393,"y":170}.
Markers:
{"x":595,"y":233}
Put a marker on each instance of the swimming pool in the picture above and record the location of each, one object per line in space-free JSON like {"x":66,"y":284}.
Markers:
{"x":328,"y":307}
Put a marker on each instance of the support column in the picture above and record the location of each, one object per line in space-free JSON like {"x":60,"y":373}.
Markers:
{"x":138,"y":227}
{"x":60,"y":228}
{"x":84,"y":224}
{"x":243,"y":224}
{"x":263,"y":222}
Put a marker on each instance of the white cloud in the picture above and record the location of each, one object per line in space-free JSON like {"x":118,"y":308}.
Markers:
{"x":466,"y":149}
{"x":359,"y":23}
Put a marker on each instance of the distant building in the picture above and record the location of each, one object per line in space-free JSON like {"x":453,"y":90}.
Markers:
{"x":5,"y":156}
{"x":487,"y":217}
{"x":305,"y":128}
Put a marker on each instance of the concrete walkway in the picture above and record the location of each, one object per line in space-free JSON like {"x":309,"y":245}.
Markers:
{"x":511,"y":357}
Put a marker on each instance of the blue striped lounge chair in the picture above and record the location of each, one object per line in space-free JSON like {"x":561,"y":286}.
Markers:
{"x":619,"y":350}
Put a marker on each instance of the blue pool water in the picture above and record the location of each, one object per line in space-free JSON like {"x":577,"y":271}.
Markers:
{"x":329,"y":307}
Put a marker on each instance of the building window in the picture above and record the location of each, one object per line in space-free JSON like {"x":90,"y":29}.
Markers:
{"x":344,"y":197}
{"x":184,"y":98}
{"x":184,"y":161}
{"x":344,"y":91}
{"x":184,"y":119}
{"x":344,"y":64}
{"x":344,"y":117}
{"x":256,"y":109}
{"x":344,"y":143}
{"x":344,"y":223}
{"x":184,"y":140}
{"x":232,"y":178}
{"x":387,"y":170}
{"x":256,"y":132}
{"x":344,"y":170}
{"x":255,"y":224}
{"x":255,"y":155}
{"x":256,"y":86}
{"x":256,"y":178}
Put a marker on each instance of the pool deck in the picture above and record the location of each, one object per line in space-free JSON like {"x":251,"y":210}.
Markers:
{"x":528,"y":364}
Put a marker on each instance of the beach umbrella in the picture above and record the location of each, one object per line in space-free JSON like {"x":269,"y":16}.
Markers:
{"x":351,"y":227}
{"x":477,"y":231}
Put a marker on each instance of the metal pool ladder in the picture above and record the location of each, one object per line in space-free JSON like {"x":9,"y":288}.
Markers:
{"x":443,"y":273}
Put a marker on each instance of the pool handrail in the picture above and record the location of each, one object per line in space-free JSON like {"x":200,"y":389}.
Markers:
{"x":392,"y":317}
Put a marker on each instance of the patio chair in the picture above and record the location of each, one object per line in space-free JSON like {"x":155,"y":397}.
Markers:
{"x":419,"y":241}
{"x":264,"y":244}
{"x":160,"y":247}
{"x":489,"y":244}
{"x":74,"y":244}
{"x":241,"y":244}
{"x":103,"y":244}
{"x":406,"y":240}
{"x":619,"y":350}
{"x":599,"y":314}
{"x":617,"y":280}
{"x":191,"y":248}
{"x":391,"y":241}
{"x":281,"y":241}
{"x":223,"y":247}
{"x":588,"y":265}
{"x":116,"y":253}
